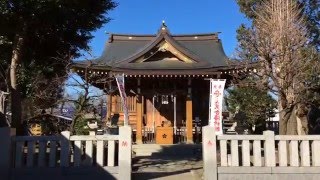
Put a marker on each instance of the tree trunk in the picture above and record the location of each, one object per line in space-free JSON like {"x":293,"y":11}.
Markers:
{"x":282,"y":123}
{"x":283,"y":119}
{"x":292,"y":127}
{"x":291,"y":123}
{"x":15,"y":92}
{"x":288,"y":120}
{"x":302,"y":119}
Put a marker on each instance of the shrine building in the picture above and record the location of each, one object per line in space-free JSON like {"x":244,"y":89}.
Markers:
{"x":166,"y":80}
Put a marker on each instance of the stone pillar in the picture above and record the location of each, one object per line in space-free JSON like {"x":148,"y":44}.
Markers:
{"x":125,"y":152}
{"x":5,"y":151}
{"x":189,"y":114}
{"x":269,"y":149}
{"x":209,"y":153}
{"x":65,"y":149}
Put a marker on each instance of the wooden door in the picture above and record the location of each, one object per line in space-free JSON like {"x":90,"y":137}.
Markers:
{"x":158,"y":112}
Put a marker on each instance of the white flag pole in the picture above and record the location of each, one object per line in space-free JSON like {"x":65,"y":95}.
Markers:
{"x":122,"y":92}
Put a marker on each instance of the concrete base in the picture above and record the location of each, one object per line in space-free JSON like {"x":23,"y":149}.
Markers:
{"x":268,"y":176}
{"x":79,"y":173}
{"x":268,"y":173}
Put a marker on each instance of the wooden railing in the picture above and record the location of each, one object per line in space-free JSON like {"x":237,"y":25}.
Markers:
{"x":110,"y":153}
{"x":131,"y":103}
{"x":264,"y":156}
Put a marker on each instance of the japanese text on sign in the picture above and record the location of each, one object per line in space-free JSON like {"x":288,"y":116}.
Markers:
{"x":215,"y":106}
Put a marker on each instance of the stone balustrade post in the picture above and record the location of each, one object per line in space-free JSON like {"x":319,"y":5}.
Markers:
{"x":125,"y":152}
{"x":209,"y":153}
{"x":5,"y":151}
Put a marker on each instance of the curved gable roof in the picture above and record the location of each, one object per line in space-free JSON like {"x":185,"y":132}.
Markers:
{"x":161,"y":37}
{"x":204,"y":49}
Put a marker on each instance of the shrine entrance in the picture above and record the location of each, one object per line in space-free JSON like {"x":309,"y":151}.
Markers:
{"x":160,"y":110}
{"x":177,"y":103}
{"x":164,"y":108}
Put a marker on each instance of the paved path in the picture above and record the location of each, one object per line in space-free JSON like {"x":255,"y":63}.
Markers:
{"x":166,"y":167}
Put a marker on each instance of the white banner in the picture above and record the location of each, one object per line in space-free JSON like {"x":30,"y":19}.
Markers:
{"x":215,"y":104}
{"x":120,"y":82}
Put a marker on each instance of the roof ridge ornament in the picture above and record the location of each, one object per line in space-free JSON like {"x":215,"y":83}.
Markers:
{"x":164,"y":23}
{"x":164,"y":28}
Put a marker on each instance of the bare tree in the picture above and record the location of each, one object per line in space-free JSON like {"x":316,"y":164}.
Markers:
{"x":278,"y":42}
{"x":82,"y":86}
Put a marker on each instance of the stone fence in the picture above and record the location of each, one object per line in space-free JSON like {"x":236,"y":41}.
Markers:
{"x":65,"y":156}
{"x":266,"y":156}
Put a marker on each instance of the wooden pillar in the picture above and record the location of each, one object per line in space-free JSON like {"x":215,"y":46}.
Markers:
{"x":139,"y":115}
{"x":109,"y":106}
{"x":139,"y":120}
{"x":189,"y":114}
{"x":113,"y":103}
{"x":109,"y":103}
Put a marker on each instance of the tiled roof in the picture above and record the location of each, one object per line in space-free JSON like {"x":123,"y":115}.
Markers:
{"x":205,"y":49}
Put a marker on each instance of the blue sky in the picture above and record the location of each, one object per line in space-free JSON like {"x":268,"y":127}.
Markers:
{"x":181,"y":17}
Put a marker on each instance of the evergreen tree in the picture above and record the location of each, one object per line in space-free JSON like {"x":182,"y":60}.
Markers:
{"x":42,"y":36}
{"x":256,"y":105}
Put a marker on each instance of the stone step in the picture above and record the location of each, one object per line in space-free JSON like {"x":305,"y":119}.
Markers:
{"x":146,"y":149}
{"x":147,"y":146}
{"x":157,"y":149}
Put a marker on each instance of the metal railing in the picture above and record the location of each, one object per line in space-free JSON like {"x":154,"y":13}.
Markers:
{"x":148,"y":135}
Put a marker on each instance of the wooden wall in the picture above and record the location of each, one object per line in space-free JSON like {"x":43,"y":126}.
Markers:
{"x":118,"y":108}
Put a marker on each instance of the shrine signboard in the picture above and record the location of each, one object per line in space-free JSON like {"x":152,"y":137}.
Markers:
{"x":215,"y":104}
